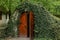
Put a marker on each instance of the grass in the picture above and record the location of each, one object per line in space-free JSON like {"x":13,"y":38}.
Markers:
{"x":42,"y":39}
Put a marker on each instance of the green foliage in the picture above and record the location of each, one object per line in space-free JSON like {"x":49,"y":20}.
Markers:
{"x":10,"y":4}
{"x":14,"y":4}
{"x":4,"y":3}
{"x":52,"y":6}
{"x":45,"y":24}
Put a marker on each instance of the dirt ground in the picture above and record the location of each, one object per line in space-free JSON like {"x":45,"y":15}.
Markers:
{"x":17,"y":39}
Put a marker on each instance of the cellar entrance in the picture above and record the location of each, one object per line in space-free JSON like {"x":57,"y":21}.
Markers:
{"x":26,"y":25}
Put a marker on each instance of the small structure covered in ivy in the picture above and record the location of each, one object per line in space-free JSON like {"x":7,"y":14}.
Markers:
{"x":45,"y":24}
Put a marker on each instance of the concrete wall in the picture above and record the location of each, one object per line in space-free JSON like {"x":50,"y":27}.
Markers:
{"x":4,"y":20}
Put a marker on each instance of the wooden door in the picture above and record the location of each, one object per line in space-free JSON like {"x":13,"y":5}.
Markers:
{"x":26,"y":24}
{"x":31,"y":24}
{"x":23,"y":25}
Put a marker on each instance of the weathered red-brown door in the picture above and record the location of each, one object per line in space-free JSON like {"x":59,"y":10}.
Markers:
{"x":26,"y":24}
{"x":31,"y":24}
